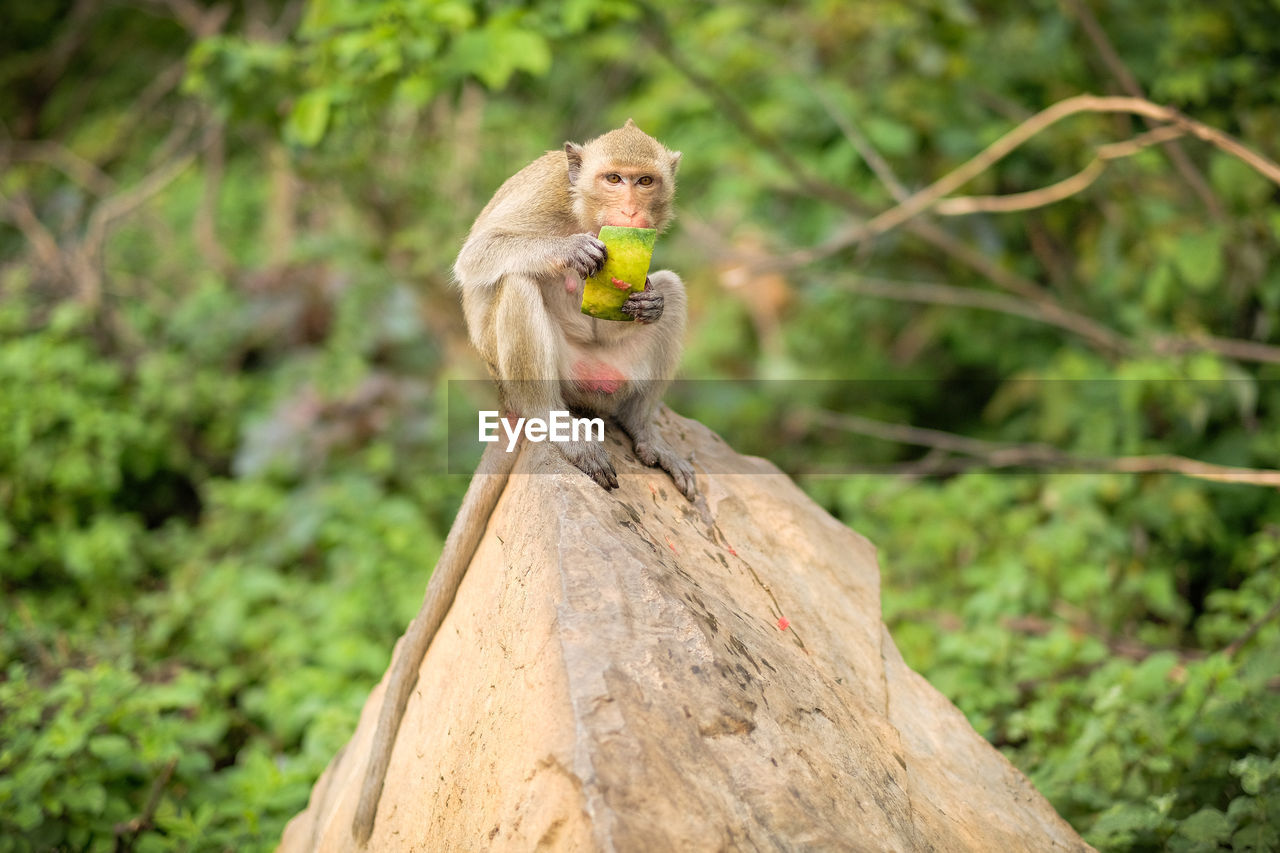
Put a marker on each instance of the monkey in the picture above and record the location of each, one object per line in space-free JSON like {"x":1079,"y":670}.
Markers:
{"x":520,"y":272}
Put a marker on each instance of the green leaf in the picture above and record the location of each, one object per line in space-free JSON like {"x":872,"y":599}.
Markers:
{"x":1207,"y":826}
{"x":456,"y":16}
{"x":309,"y":118}
{"x":1256,"y":838}
{"x":495,"y":54}
{"x":1255,"y":772}
{"x":111,"y":749}
{"x":891,"y":138}
{"x":1198,"y":259}
{"x":1124,"y":819}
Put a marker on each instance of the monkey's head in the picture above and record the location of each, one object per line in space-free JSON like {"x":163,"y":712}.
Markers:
{"x":625,"y":177}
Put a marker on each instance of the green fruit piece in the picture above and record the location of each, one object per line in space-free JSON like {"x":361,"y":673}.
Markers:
{"x":630,"y":250}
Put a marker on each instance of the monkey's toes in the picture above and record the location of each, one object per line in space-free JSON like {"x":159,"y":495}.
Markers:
{"x":604,"y":475}
{"x":682,"y":475}
{"x":656,"y":456}
{"x":594,"y":462}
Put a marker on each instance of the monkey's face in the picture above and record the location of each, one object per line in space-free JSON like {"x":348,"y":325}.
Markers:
{"x":624,"y":178}
{"x":626,"y":194}
{"x":627,"y":197}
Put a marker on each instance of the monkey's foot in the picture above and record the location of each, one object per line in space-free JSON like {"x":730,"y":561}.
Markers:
{"x":593,"y":460}
{"x":660,"y":456}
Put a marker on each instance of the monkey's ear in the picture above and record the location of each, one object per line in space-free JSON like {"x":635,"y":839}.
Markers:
{"x":573,"y":151}
{"x":675,"y":161}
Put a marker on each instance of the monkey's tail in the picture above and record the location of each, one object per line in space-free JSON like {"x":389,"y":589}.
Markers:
{"x":464,"y":537}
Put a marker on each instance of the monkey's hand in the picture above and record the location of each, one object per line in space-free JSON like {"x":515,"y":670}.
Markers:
{"x":584,"y":254}
{"x":645,"y":306}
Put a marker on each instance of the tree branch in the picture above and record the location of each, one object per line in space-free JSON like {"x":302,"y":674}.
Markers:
{"x":1005,"y":455}
{"x":18,"y":211}
{"x":926,"y":198}
{"x":1013,"y":202}
{"x":965,"y":297}
{"x":1230,"y":347}
{"x":878,"y":165}
{"x":1129,"y":83}
{"x":66,"y":161}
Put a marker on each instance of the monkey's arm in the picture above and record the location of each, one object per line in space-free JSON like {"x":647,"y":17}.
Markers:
{"x":489,"y":256}
{"x":464,"y":537}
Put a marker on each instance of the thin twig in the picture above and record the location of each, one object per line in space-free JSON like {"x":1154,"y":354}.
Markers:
{"x":1054,"y":314}
{"x":980,"y":262}
{"x":926,"y":198}
{"x":878,"y":165}
{"x":1004,"y":455}
{"x":58,"y":156}
{"x":1129,"y":83}
{"x":965,"y":297}
{"x":1018,"y":202}
{"x":205,"y":225}
{"x":123,"y":203}
{"x":1252,"y":631}
{"x":18,"y":211}
{"x":127,"y":833}
{"x":1230,"y":347}
{"x":1015,"y":202}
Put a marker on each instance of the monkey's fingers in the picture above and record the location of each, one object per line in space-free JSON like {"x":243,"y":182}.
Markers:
{"x":645,"y":306}
{"x":586,"y":255}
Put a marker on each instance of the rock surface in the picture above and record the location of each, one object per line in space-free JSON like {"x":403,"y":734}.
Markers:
{"x":615,"y":675}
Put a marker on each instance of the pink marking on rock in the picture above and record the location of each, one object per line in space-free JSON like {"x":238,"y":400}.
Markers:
{"x":619,"y":283}
{"x":783,"y":624}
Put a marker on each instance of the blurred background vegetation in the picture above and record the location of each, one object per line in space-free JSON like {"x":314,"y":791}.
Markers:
{"x":226,"y":328}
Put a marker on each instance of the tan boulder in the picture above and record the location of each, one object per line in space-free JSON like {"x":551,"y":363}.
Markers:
{"x":616,"y":675}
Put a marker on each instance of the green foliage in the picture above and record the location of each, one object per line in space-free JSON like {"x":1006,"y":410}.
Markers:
{"x":221,"y":478}
{"x":160,"y":631}
{"x":1095,"y":680}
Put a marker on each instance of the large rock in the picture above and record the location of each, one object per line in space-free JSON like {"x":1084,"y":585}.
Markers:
{"x":627,"y":672}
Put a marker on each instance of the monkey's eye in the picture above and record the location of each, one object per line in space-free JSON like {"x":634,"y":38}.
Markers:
{"x":613,"y":178}
{"x":645,"y":180}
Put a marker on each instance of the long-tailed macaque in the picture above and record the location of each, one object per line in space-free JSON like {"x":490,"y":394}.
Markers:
{"x":521,"y":272}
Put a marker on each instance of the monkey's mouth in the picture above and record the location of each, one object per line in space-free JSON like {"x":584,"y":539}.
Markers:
{"x":623,"y":221}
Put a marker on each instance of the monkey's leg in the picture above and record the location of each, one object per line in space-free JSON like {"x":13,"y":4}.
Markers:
{"x":637,"y":416}
{"x":658,"y":344}
{"x":529,"y":348}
